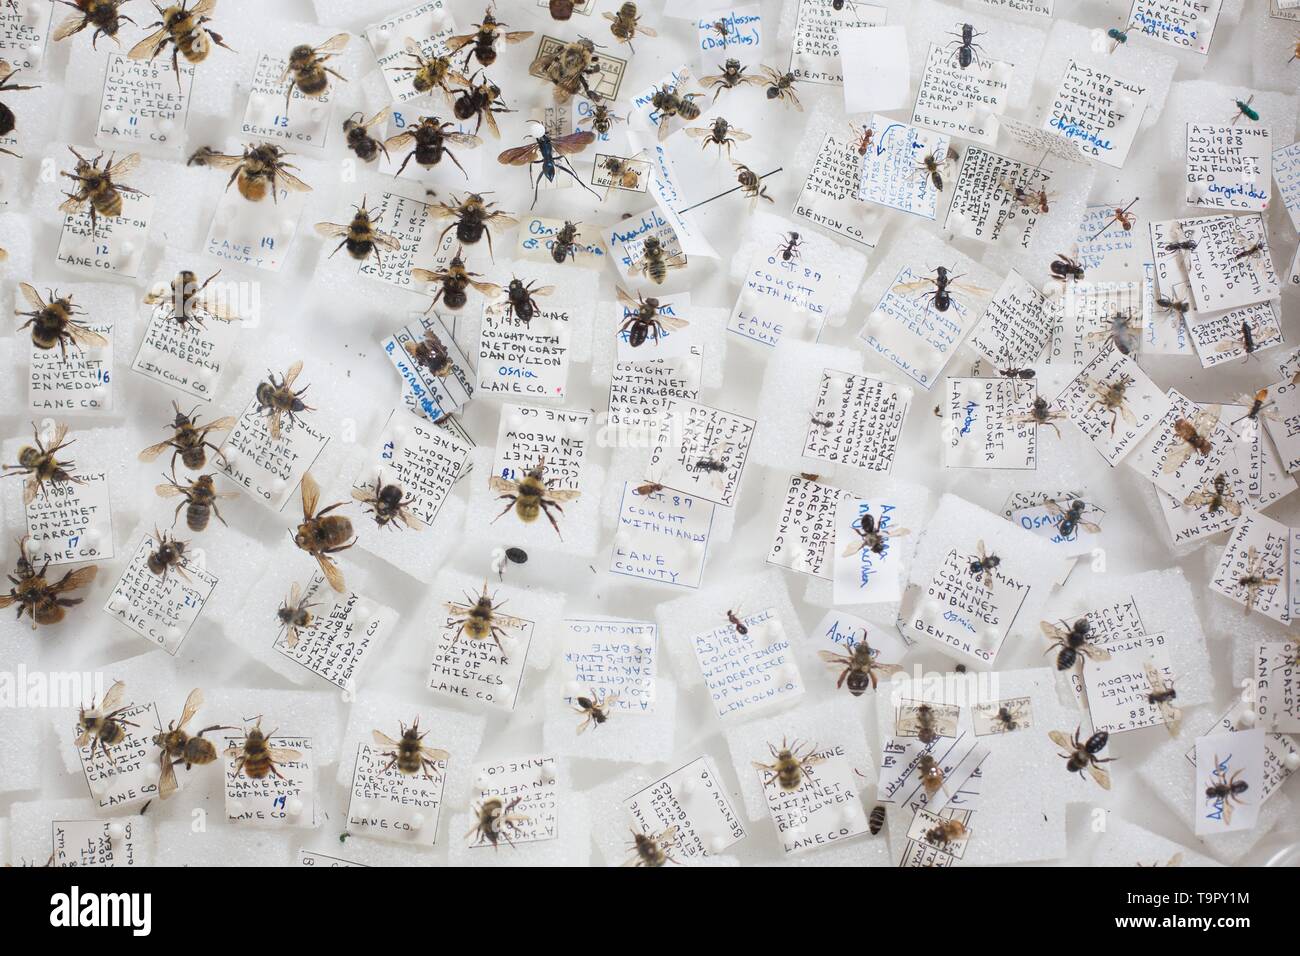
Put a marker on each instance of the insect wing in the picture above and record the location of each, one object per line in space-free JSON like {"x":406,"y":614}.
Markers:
{"x":113,"y":698}
{"x":519,"y":155}
{"x":146,"y":49}
{"x":1100,"y":775}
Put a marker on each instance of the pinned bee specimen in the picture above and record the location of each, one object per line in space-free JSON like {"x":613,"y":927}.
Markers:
{"x":359,"y":138}
{"x":259,"y":170}
{"x":409,"y":753}
{"x":655,"y":262}
{"x":569,"y":67}
{"x":97,"y":188}
{"x":1040,"y":413}
{"x":595,"y":710}
{"x":1192,"y":436}
{"x":482,"y":42}
{"x":41,"y":464}
{"x":619,"y":171}
{"x":532,"y":496}
{"x":494,"y":821}
{"x":189,"y":439}
{"x":183,"y":29}
{"x":178,"y":746}
{"x":42,"y":600}
{"x":188,"y":300}
{"x":1162,"y":697}
{"x":565,"y":244}
{"x":719,"y":133}
{"x":602,"y":120}
{"x":255,"y":758}
{"x":1121,"y":216}
{"x":1070,"y":518}
{"x":1006,"y":719}
{"x":668,"y":103}
{"x":939,"y":288}
{"x":919,"y":721}
{"x":55,"y":323}
{"x":732,"y":77}
{"x":430,"y":72}
{"x":1065,"y":268}
{"x":1111,"y":398}
{"x":479,"y":619}
{"x":789,"y":766}
{"x":104,"y":723}
{"x":932,"y":775}
{"x":360,"y":235}
{"x":481,"y":100}
{"x":1244,"y":109}
{"x":101,"y":14}
{"x":780,"y":86}
{"x":7,"y":119}
{"x":550,"y":154}
{"x":560,"y":9}
{"x":871,"y":537}
{"x":1074,"y":641}
{"x":473,"y":219}
{"x":388,"y":503}
{"x":428,"y":140}
{"x":947,"y":830}
{"x":278,"y":399}
{"x":861,"y":669}
{"x":322,"y":534}
{"x":934,"y":166}
{"x":983,"y":564}
{"x":307,"y":71}
{"x":626,"y":24}
{"x":200,"y":501}
{"x":1215,"y":496}
{"x":652,"y":849}
{"x":1124,"y":329}
{"x":751,"y":184}
{"x":452,"y":282}
{"x":1225,"y":791}
{"x":1081,"y":755}
{"x":169,"y":554}
{"x":520,"y":303}
{"x":644,"y":320}
{"x":1256,"y":578}
{"x":295,"y":615}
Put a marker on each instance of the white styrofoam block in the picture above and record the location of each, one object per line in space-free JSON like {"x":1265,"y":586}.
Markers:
{"x":459,"y":734}
{"x":1127,"y":844}
{"x":788,"y":400}
{"x":31,"y":829}
{"x":178,"y":843}
{"x":626,"y":737}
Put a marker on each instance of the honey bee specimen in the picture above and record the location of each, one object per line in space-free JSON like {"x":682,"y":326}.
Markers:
{"x":409,"y":753}
{"x":1071,"y":517}
{"x":789,"y":766}
{"x":1192,"y":436}
{"x":307,"y":67}
{"x":532,"y":496}
{"x":430,"y":72}
{"x":1040,"y":413}
{"x":278,"y":399}
{"x":626,"y":24}
{"x":1073,"y":640}
{"x":731,"y":77}
{"x":41,"y":464}
{"x":188,"y":440}
{"x":97,"y":188}
{"x":643,"y":320}
{"x":594,"y":710}
{"x":569,"y":67}
{"x":360,"y":235}
{"x":321,"y":536}
{"x":719,"y":133}
{"x":255,"y":758}
{"x":200,"y":500}
{"x":1082,"y":754}
{"x":946,"y":831}
{"x":983,"y":564}
{"x":651,"y":849}
{"x":359,"y":139}
{"x":41,"y":600}
{"x":1162,"y":698}
{"x":56,"y":323}
{"x":182,"y":28}
{"x":482,"y":43}
{"x":188,"y":300}
{"x":1255,"y":578}
{"x":494,"y":821}
{"x":295,"y":615}
{"x":387,"y":502}
{"x":551,"y":155}
{"x":259,"y":170}
{"x":168,"y":554}
{"x":1215,"y":496}
{"x":655,"y":262}
{"x":479,"y":619}
{"x":1111,"y":398}
{"x":520,"y":303}
{"x":179,"y":746}
{"x":452,"y":282}
{"x":473,"y":218}
{"x":871,"y":537}
{"x":1225,"y":791}
{"x":104,"y":724}
{"x":7,"y":119}
{"x":860,"y":667}
{"x":101,"y":14}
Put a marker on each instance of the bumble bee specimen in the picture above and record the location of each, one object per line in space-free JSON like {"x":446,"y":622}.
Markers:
{"x":41,"y":600}
{"x":101,"y":14}
{"x":643,"y":320}
{"x":278,"y":399}
{"x":189,"y":439}
{"x":565,"y":244}
{"x":96,"y":188}
{"x":751,"y":184}
{"x":871,"y":537}
{"x":1162,"y":697}
{"x":946,"y":831}
{"x":860,"y":667}
{"x":1192,"y":436}
{"x":668,"y":103}
{"x":939,"y":288}
{"x":595,"y":710}
{"x":1070,"y":517}
{"x":41,"y":464}
{"x":259,"y":170}
{"x":1225,"y":791}
{"x":876,"y":821}
{"x":179,"y":746}
{"x":626,"y":24}
{"x":428,"y":140}
{"x":255,"y":758}
{"x":295,"y":615}
{"x":983,"y":564}
{"x":1255,"y":578}
{"x":1122,"y":216}
{"x":532,"y":496}
{"x":188,"y":300}
{"x":520,"y":303}
{"x":184,"y":29}
{"x":479,"y":618}
{"x":568,"y":68}
{"x":430,"y":72}
{"x":360,"y":235}
{"x":200,"y":500}
{"x":321,"y":536}
{"x":551,"y":155}
{"x":731,"y":77}
{"x":602,"y":120}
{"x":473,"y":219}
{"x":452,"y":282}
{"x":1082,"y":754}
{"x":1215,"y":496}
{"x":1064,"y":268}
{"x":359,"y":138}
{"x":482,"y":42}
{"x":1040,"y":413}
{"x":408,"y":753}
{"x":1110,"y":397}
{"x":1074,"y":641}
{"x":934,"y":166}
{"x":932,"y":775}
{"x":388,"y":503}
{"x":780,"y":86}
{"x":789,"y":766}
{"x":432,"y":355}
{"x":481,"y":100}
{"x":104,"y":724}
{"x":494,"y":821}
{"x":168,"y":554}
{"x":655,"y":262}
{"x":652,"y":849}
{"x":7,"y":119}
{"x":1124,"y":329}
{"x":55,"y":323}
{"x":306,"y":68}
{"x":719,"y":133}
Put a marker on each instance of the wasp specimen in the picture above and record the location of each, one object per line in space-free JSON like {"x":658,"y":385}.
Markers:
{"x":644,"y":320}
{"x":1224,"y":791}
{"x":40,"y":599}
{"x":569,"y":67}
{"x":876,"y":820}
{"x":1082,"y":754}
{"x":188,"y":300}
{"x":1121,"y":216}
{"x":255,"y":758}
{"x":1122,"y":328}
{"x":428,"y":140}
{"x":188,"y":440}
{"x":452,"y":282}
{"x":7,"y":119}
{"x":1024,"y":374}
{"x":1246,"y":343}
{"x":101,"y":14}
{"x":947,"y":830}
{"x":480,"y":100}
{"x":56,"y":323}
{"x":1040,"y":413}
{"x":479,"y":619}
{"x":473,"y":219}
{"x":652,"y":849}
{"x":594,"y":710}
{"x":1257,"y":406}
{"x":259,"y":170}
{"x":278,"y":399}
{"x":295,"y":615}
{"x":178,"y":746}
{"x":983,"y":565}
{"x":1192,"y":435}
{"x":41,"y":463}
{"x":1035,"y":200}
{"x":1215,"y":496}
{"x":1074,"y":641}
{"x":183,"y":28}
{"x":200,"y":501}
{"x":565,"y":244}
{"x":789,"y":766}
{"x":1180,"y":242}
{"x":965,"y":51}
{"x":626,"y":24}
{"x":1110,"y":397}
{"x":931,"y":773}
{"x":359,"y":138}
{"x":1177,"y":307}
{"x":520,"y":303}
{"x":719,"y":133}
{"x":871,"y":536}
{"x":1065,"y":268}
{"x":360,"y":235}
{"x":307,"y":71}
{"x":408,"y":753}
{"x":550,"y":154}
{"x":668,"y":103}
{"x":751,"y":184}
{"x":97,"y":188}
{"x":168,"y":554}
{"x":780,"y":86}
{"x":104,"y":724}
{"x":482,"y":42}
{"x":322,"y":534}
{"x":1244,"y":109}
{"x":861,"y":668}
{"x":430,"y":72}
{"x":494,"y":821}
{"x":934,"y":166}
{"x":940,"y":288}
{"x":1162,"y":697}
{"x":731,"y":77}
{"x":532,"y":496}
{"x":1070,"y":518}
{"x":388,"y":503}
{"x":737,"y":623}
{"x":602,"y":120}
{"x":1255,"y":578}
{"x":1117,"y":36}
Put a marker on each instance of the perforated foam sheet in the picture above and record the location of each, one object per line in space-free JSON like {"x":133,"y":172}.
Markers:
{"x":788,"y":400}
{"x":1127,"y":844}
{"x":627,"y":736}
{"x":22,"y":756}
{"x":31,"y":830}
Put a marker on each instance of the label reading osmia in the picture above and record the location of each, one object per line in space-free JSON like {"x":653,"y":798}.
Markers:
{"x":113,"y":245}
{"x":343,"y":632}
{"x":529,"y":796}
{"x":823,"y":809}
{"x":142,"y":105}
{"x":71,"y":521}
{"x":436,"y":376}
{"x":426,"y":26}
{"x":419,"y":459}
{"x":702,"y":450}
{"x":161,"y":608}
{"x":95,"y":842}
{"x":388,"y":804}
{"x":126,"y":776}
{"x":526,"y":359}
{"x":603,"y":658}
{"x":281,"y":794}
{"x":483,"y":669}
{"x":274,"y":114}
{"x":967,"y":613}
{"x":80,"y":380}
{"x":694,"y":800}
{"x":747,"y":671}
{"x":266,"y":467}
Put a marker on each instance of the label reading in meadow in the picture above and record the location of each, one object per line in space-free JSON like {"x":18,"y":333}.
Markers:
{"x":265,"y":467}
{"x":702,"y":450}
{"x":343,"y":631}
{"x":160,"y":608}
{"x":286,"y":798}
{"x":126,"y":776}
{"x":92,"y":842}
{"x":1015,"y":328}
{"x":825,"y":808}
{"x":526,"y":359}
{"x":142,"y":105}
{"x":662,"y":536}
{"x":386,"y":803}
{"x":828,"y":197}
{"x":435,"y":373}
{"x":1099,"y":112}
{"x":420,"y":459}
{"x":1185,"y":24}
{"x":747,"y":671}
{"x":857,"y":421}
{"x":71,"y":521}
{"x":868,"y":562}
{"x":603,"y":658}
{"x":987,"y":424}
{"x":274,"y":114}
{"x":1119,"y":690}
{"x":527,"y":434}
{"x":908,"y":329}
{"x":530,"y":798}
{"x":1254,"y":567}
{"x":805,"y":531}
{"x":113,"y":245}
{"x":694,"y":800}
{"x":189,"y":357}
{"x":484,"y":669}
{"x":1286,"y":175}
{"x":962,"y":101}
{"x":892,"y":172}
{"x":1114,"y":403}
{"x":1229,"y":167}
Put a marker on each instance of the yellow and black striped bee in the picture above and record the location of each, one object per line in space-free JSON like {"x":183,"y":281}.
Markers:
{"x":55,"y":323}
{"x":789,"y":766}
{"x":479,"y":619}
{"x":307,"y":67}
{"x":41,"y":464}
{"x":669,"y":103}
{"x":183,"y":28}
{"x":200,"y":502}
{"x":358,"y":135}
{"x":178,"y":746}
{"x":189,"y":439}
{"x":278,"y":399}
{"x":484,"y":39}
{"x":655,"y":261}
{"x":387,"y":502}
{"x":259,"y":170}
{"x":101,"y":14}
{"x":409,"y":754}
{"x":40,"y":599}
{"x":652,"y":849}
{"x":322,"y":534}
{"x":96,"y":188}
{"x":494,"y":821}
{"x":255,"y":758}
{"x":531,"y":496}
{"x":104,"y":724}
{"x":428,"y":140}
{"x":360,"y":235}
{"x":452,"y":282}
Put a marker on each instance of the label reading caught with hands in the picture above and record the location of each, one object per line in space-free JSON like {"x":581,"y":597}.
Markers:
{"x":662,"y":536}
{"x":161,"y":608}
{"x":693,"y":800}
{"x":748,"y":671}
{"x":1098,"y":111}
{"x":284,"y":795}
{"x":857,"y":421}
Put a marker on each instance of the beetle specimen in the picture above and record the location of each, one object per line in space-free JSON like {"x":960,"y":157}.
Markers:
{"x":494,"y":821}
{"x":1111,"y":398}
{"x":178,"y":746}
{"x":731,"y":77}
{"x":1070,"y":517}
{"x":428,"y":140}
{"x":940,"y":288}
{"x":519,"y":301}
{"x":871,"y":536}
{"x":188,"y":301}
{"x":322,"y":534}
{"x":388,"y":503}
{"x":409,"y":753}
{"x":643,"y":320}
{"x":104,"y":724}
{"x":1192,"y":436}
{"x":184,"y":30}
{"x":1215,"y":496}
{"x":1255,"y":578}
{"x":41,"y":464}
{"x":482,"y":42}
{"x":259,"y":170}
{"x":751,"y":184}
{"x":7,"y":119}
{"x":430,"y":72}
{"x":1162,"y":698}
{"x":1224,"y":791}
{"x":780,"y":86}
{"x":360,"y":235}
{"x":295,"y":615}
{"x":594,"y":710}
{"x":569,"y":67}
{"x":1082,"y":755}
{"x":1040,"y":413}
{"x":1121,"y":216}
{"x":1074,"y":641}
{"x":96,"y":188}
{"x":1116,"y":36}
{"x":358,"y":136}
{"x":1065,"y":268}
{"x":188,"y":440}
{"x":934,"y":167}
{"x":452,"y":282}
{"x":719,"y":133}
{"x":965,"y":51}
{"x":200,"y":500}
{"x":789,"y":766}
{"x":860,"y":667}
{"x":55,"y":323}
{"x":532,"y":496}
{"x":983,"y":564}
{"x":255,"y":758}
{"x":651,"y":849}
{"x":626,"y":24}
{"x":42,"y":600}
{"x":306,"y":69}
{"x":101,"y":14}
{"x":279,"y":399}
{"x":472,"y":219}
